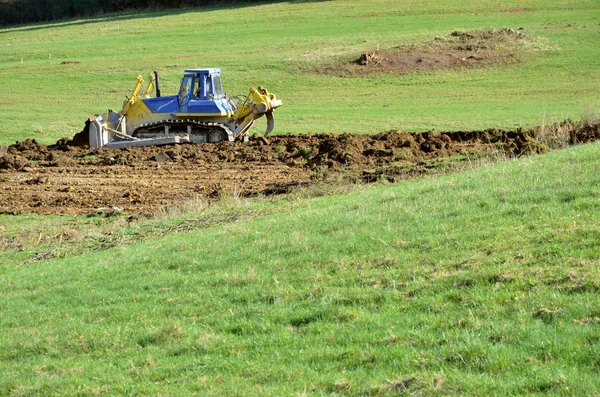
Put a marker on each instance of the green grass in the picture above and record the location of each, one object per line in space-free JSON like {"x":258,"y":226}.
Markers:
{"x":28,"y":238}
{"x":279,"y":45}
{"x":480,"y":282}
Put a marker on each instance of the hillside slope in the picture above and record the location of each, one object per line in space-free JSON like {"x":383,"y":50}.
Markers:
{"x":480,"y":282}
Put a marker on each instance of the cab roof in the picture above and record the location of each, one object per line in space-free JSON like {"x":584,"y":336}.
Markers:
{"x":206,"y":70}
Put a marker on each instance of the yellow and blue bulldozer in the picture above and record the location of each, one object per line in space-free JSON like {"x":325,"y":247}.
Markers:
{"x":200,"y":113}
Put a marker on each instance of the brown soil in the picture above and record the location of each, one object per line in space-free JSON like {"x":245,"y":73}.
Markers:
{"x":65,"y":178}
{"x":457,"y":50}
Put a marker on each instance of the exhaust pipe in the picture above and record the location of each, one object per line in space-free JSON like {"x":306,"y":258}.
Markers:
{"x":157,"y":84}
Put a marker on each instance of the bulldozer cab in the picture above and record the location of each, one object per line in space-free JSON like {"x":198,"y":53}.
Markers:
{"x":199,"y":85}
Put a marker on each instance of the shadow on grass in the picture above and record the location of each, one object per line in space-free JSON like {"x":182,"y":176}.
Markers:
{"x":139,"y":14}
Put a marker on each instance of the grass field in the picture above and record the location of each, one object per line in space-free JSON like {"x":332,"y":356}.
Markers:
{"x":479,"y":282}
{"x":280,"y":45}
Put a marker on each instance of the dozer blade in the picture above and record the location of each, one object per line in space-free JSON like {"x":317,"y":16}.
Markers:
{"x":270,"y":122}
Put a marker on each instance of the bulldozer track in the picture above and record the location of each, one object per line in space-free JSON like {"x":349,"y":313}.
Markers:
{"x":200,"y":130}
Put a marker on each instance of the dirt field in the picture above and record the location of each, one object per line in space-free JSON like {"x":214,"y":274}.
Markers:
{"x":454,"y":51}
{"x":63,"y":178}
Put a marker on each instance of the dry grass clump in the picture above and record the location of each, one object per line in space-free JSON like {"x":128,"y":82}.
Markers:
{"x":589,"y":119}
{"x":569,"y":132}
{"x":555,"y":136}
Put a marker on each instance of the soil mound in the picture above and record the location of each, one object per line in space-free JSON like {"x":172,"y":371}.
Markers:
{"x":457,"y":50}
{"x":30,"y":148}
{"x":13,"y":162}
{"x":81,"y":138}
{"x":72,"y":179}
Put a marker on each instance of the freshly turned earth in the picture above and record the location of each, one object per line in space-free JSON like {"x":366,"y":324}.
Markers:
{"x":69,"y":178}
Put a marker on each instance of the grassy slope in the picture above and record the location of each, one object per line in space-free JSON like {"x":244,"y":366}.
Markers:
{"x":481,"y":282}
{"x":277,"y":44}
{"x":485,"y":281}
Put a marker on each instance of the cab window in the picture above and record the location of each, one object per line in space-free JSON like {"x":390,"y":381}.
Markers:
{"x":218,"y":88}
{"x":186,"y":87}
{"x":197,"y":87}
{"x":208,"y":86}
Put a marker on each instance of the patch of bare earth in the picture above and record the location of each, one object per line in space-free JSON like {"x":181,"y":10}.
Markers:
{"x":66,"y":178}
{"x":457,"y":50}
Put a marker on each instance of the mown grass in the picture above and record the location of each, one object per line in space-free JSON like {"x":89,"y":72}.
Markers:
{"x":27,"y":238}
{"x":281,"y":45}
{"x":480,"y":282}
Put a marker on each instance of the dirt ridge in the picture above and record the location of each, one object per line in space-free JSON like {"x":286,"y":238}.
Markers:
{"x":69,"y":177}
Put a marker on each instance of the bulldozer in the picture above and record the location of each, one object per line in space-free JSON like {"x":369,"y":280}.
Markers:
{"x":200,"y":113}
